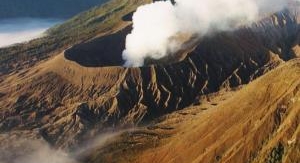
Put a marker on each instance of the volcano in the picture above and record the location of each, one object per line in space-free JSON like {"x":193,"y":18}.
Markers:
{"x":229,"y":97}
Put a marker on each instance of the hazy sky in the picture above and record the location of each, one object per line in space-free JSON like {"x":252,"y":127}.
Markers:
{"x":19,"y":30}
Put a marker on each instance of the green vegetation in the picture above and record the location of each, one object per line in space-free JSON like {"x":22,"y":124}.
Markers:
{"x":78,"y":29}
{"x":276,"y":154}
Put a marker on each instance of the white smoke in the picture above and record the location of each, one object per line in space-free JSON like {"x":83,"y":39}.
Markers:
{"x":14,"y":149}
{"x":44,"y":154}
{"x":158,"y":27}
{"x":33,"y":151}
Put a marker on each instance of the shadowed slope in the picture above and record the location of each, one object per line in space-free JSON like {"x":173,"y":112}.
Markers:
{"x":100,"y":52}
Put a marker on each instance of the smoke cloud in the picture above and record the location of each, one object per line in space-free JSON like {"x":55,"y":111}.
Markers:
{"x":33,"y":151}
{"x":15,"y":149}
{"x":160,"y":28}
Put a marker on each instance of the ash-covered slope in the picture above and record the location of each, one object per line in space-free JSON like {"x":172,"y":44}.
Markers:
{"x":65,"y":102}
{"x":257,"y":124}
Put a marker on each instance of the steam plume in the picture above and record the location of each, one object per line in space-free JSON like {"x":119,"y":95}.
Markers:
{"x":158,"y":27}
{"x":32,"y":151}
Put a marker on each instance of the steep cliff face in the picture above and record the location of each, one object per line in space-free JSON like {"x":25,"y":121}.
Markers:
{"x":67,"y":102}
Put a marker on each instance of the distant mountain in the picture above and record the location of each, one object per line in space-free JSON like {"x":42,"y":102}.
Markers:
{"x":45,"y":8}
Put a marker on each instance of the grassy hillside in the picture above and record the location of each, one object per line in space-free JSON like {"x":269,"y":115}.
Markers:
{"x":45,"y":8}
{"x":78,"y":29}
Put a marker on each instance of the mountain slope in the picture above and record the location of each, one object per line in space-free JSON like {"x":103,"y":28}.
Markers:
{"x":255,"y":125}
{"x":249,"y":125}
{"x":69,"y":103}
{"x":69,"y":86}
